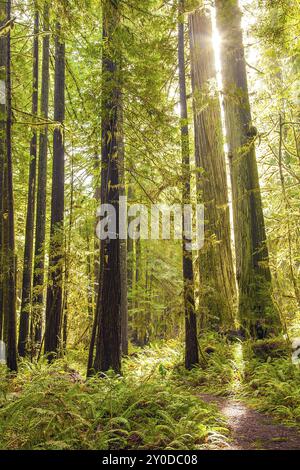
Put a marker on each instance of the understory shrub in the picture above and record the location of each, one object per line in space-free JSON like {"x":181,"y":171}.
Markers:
{"x":52,"y":407}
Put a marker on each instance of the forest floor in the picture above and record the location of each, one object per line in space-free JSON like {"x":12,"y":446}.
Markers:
{"x":250,"y":429}
{"x":233,"y":400}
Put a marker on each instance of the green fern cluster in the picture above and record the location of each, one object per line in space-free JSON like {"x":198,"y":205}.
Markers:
{"x":217,"y":370}
{"x":52,"y":407}
{"x":274,"y":387}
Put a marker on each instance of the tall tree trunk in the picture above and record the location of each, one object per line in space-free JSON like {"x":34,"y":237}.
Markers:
{"x":96,"y":322}
{"x":28,"y":250}
{"x":256,"y":310}
{"x":146,"y":322}
{"x":1,"y":238}
{"x":129,"y":255}
{"x":217,"y":282}
{"x":123,"y":242}
{"x":130,"y":271}
{"x":68,"y":240}
{"x":39,"y":258}
{"x":2,"y":159}
{"x":97,"y":196}
{"x":8,"y":233}
{"x":54,"y":305}
{"x":191,"y":342}
{"x":3,"y":41}
{"x":108,"y":345}
{"x":96,"y":271}
{"x":90,"y":277}
{"x":136,"y":297}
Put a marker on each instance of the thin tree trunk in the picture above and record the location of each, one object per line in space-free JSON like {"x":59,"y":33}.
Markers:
{"x":257,"y":314}
{"x":54,"y":307}
{"x":28,"y":250}
{"x":217,"y":278}
{"x":2,"y":154}
{"x":108,"y":345}
{"x":130,"y":262}
{"x":97,"y":196}
{"x":136,"y":298}
{"x":39,"y":258}
{"x":98,"y":271}
{"x":3,"y":41}
{"x":123,"y":242}
{"x":97,"y":314}
{"x":1,"y":254}
{"x":8,"y":236}
{"x":67,"y":264}
{"x":146,"y":333}
{"x":191,"y":342}
{"x":129,"y":256}
{"x":89,"y":273}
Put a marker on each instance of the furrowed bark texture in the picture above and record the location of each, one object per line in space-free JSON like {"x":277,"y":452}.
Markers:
{"x":130,"y":261}
{"x":256,"y":311}
{"x":217,"y":278}
{"x":108,"y":345}
{"x":29,"y":231}
{"x":54,"y":305}
{"x":39,"y":257}
{"x":2,"y":154}
{"x":191,"y":342}
{"x":8,"y":232}
{"x":123,"y":242}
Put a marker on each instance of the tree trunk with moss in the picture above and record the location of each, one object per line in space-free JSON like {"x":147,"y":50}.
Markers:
{"x":29,"y":231}
{"x":217,"y":282}
{"x":130,"y":264}
{"x":108,"y":344}
{"x":123,"y":242}
{"x":54,"y":307}
{"x":191,"y":341}
{"x":40,"y":228}
{"x":3,"y":165}
{"x":256,"y":310}
{"x":2,"y":160}
{"x":8,"y":231}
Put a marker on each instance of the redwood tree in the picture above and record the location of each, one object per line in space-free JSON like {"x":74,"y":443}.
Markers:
{"x":2,"y":152}
{"x":217,"y":283}
{"x":54,"y":304}
{"x":39,"y":257}
{"x":256,"y":311}
{"x":8,"y":232}
{"x":108,"y":344}
{"x":29,"y":231}
{"x":123,"y":242}
{"x":191,"y":342}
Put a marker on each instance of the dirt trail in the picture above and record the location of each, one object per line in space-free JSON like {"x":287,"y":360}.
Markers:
{"x":251,"y":430}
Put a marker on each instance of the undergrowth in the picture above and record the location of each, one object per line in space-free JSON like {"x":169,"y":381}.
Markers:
{"x":273,"y":386}
{"x":260,"y":373}
{"x":52,"y":407}
{"x":218,"y":370}
{"x":155,"y":405}
{"x":269,"y":383}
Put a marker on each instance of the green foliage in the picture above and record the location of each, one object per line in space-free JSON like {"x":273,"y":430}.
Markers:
{"x":155,"y":404}
{"x":52,"y":407}
{"x":217,"y":370}
{"x":274,"y":387}
{"x":260,"y":372}
{"x":273,"y":347}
